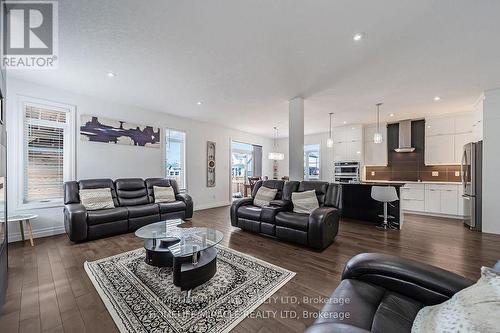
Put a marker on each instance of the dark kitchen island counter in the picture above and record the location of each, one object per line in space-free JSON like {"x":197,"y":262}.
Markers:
{"x":357,"y":203}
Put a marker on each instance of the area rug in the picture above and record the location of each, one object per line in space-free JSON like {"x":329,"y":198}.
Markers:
{"x":143,"y":298}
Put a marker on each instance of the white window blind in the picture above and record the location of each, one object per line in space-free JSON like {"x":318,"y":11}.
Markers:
{"x":45,"y":131}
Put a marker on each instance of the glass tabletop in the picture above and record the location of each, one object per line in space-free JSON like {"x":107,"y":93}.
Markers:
{"x":191,"y":240}
{"x":159,"y":230}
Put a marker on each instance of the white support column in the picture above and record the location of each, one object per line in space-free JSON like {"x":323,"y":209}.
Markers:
{"x":296,"y":139}
{"x":491,"y":162}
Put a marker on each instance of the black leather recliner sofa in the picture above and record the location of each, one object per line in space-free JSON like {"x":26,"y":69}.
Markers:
{"x":384,"y":294}
{"x":316,"y":230}
{"x":134,"y":207}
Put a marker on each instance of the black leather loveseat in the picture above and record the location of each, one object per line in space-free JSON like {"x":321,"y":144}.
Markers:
{"x":316,"y":230}
{"x":134,"y":207}
{"x":383,"y":293}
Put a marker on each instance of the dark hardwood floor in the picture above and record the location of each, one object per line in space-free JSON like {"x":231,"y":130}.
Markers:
{"x":49,"y":290}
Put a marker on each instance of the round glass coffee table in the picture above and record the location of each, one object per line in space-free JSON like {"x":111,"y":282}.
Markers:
{"x":189,"y":251}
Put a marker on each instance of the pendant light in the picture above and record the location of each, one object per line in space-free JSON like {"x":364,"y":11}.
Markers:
{"x":377,"y":137}
{"x":275,"y":155}
{"x":329,"y":142}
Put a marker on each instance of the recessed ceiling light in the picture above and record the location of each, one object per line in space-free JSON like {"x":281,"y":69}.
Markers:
{"x":111,"y":74}
{"x":391,"y":115}
{"x":199,"y":103}
{"x":358,"y":36}
{"x":345,"y":122}
{"x":437,"y":98}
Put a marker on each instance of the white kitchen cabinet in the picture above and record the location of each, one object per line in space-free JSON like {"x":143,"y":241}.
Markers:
{"x":439,"y":126}
{"x":413,"y":197}
{"x":460,"y":141}
{"x":348,"y":143}
{"x":432,"y":200}
{"x":375,"y":154}
{"x":464,"y":123}
{"x":355,"y":150}
{"x":449,"y":200}
{"x":440,"y":149}
{"x":340,"y":151}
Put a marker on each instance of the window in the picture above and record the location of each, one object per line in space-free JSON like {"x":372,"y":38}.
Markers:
{"x":311,"y":162}
{"x":48,"y":142}
{"x":175,"y":156}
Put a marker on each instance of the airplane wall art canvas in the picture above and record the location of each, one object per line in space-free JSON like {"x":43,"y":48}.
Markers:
{"x":98,"y":129}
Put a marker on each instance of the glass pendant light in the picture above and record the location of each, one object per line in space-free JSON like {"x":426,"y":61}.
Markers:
{"x":274,"y":154}
{"x":329,"y":142}
{"x":377,"y":137}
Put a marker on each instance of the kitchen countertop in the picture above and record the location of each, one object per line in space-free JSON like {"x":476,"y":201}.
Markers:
{"x":409,"y":182}
{"x":394,"y":183}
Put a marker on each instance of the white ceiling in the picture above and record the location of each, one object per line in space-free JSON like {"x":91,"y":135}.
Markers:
{"x":246,"y":59}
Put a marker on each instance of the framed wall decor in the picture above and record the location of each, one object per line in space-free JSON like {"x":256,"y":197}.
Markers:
{"x":210,"y":164}
{"x":99,"y":129}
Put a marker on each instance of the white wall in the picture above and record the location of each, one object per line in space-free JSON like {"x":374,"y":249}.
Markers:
{"x":326,"y":156}
{"x":491,"y":161}
{"x":101,"y":160}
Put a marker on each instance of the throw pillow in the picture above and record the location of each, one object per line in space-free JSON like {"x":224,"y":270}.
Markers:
{"x":96,"y":198}
{"x":264,"y":196}
{"x":164,"y":193}
{"x":473,"y":309}
{"x":304,"y":202}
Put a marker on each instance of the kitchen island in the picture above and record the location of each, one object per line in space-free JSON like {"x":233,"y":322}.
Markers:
{"x":358,"y":204}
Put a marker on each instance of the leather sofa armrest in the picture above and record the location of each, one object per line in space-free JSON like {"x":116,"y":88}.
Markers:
{"x":186,"y":198}
{"x":75,"y":221}
{"x":428,"y":284}
{"x":285,"y":204}
{"x":323,"y":227}
{"x":234,"y":209}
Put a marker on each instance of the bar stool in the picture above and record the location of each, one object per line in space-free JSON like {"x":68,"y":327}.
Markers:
{"x":385,"y":194}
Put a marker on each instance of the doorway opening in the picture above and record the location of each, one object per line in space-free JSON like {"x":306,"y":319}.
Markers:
{"x":246,"y":167}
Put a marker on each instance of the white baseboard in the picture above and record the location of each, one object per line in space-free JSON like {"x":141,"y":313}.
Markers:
{"x":37,"y":233}
{"x":456,"y":217}
{"x":212,"y":205}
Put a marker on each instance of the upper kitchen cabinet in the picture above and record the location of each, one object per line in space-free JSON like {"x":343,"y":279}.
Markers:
{"x":446,"y":136}
{"x":348,"y":143}
{"x":375,"y":153}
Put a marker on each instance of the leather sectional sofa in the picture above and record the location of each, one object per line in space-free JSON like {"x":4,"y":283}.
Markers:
{"x":384,"y":294}
{"x":316,"y":230}
{"x":134,"y":207}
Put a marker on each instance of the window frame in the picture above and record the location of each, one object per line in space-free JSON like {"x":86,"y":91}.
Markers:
{"x":164,"y":162}
{"x":306,"y":161}
{"x":69,"y":147}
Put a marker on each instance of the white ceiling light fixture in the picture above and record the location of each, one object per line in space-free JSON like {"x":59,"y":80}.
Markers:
{"x":199,"y":103}
{"x":377,"y":137}
{"x":111,"y":74}
{"x":437,"y":98}
{"x":275,"y":154}
{"x":329,"y":142}
{"x":358,"y":36}
{"x":345,"y":122}
{"x":391,"y":115}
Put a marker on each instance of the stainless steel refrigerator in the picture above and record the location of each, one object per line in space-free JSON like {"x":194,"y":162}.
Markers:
{"x":472,"y":178}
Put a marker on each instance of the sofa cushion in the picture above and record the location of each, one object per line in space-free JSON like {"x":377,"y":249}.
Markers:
{"x":249,"y":212}
{"x":293,"y":220}
{"x":98,"y":183}
{"x":106,"y":215}
{"x":304,"y":202}
{"x":143,"y":210}
{"x":473,"y":309}
{"x":264,"y":196}
{"x":164,"y":182}
{"x":96,"y":198}
{"x":169,"y":207}
{"x":163,"y":194}
{"x":131,"y":192}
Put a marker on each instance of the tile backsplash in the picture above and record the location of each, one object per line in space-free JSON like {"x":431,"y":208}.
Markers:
{"x":411,"y":166}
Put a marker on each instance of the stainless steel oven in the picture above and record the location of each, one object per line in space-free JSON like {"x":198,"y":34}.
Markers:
{"x":346,"y":172}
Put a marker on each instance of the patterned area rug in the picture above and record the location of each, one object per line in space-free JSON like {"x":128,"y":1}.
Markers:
{"x":143,"y":298}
